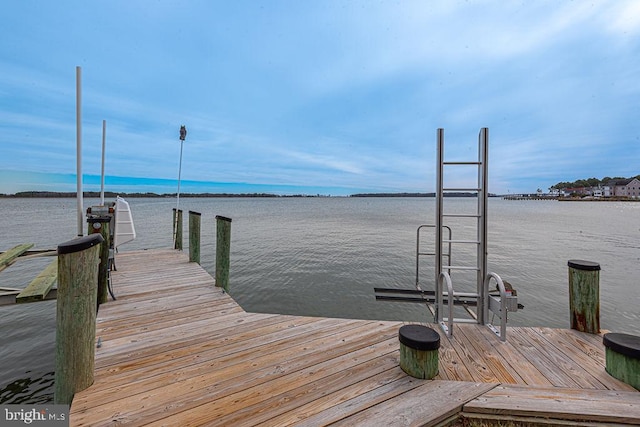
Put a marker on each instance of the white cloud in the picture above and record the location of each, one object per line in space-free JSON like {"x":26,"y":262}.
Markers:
{"x":623,"y":18}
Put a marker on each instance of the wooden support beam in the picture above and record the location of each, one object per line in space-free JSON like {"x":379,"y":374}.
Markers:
{"x":7,"y":258}
{"x":39,"y":287}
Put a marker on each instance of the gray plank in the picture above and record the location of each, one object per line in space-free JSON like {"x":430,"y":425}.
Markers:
{"x":607,"y":406}
{"x":429,"y":404}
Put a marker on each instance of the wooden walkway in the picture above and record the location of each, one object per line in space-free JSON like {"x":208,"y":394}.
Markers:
{"x":175,"y":350}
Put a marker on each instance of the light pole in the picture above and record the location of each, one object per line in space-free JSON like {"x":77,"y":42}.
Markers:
{"x":183,"y":135}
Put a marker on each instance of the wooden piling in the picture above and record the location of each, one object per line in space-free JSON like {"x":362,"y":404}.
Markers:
{"x":194,"y":236}
{"x":622,"y":357}
{"x":223,"y":245}
{"x":584,"y":295}
{"x":177,"y":229}
{"x":101,"y":225}
{"x":76,"y":316}
{"x":419,"y":346}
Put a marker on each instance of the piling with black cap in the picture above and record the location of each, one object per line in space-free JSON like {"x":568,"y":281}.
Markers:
{"x":584,"y":295}
{"x":223,"y":246}
{"x":194,"y":236}
{"x":419,"y":351}
{"x":77,"y":296}
{"x":622,"y":357}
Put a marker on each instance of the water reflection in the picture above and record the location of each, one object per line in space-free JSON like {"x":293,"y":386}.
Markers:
{"x":34,"y":389}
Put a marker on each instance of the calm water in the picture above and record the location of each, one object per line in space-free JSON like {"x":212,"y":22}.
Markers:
{"x":324,"y":256}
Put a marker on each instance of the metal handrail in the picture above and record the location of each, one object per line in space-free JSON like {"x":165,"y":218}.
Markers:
{"x":447,"y":328}
{"x":503,"y":305}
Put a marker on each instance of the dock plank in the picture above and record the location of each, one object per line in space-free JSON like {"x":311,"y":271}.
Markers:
{"x":353,"y":399}
{"x":576,"y":349}
{"x":605,"y":406}
{"x":434,"y":402}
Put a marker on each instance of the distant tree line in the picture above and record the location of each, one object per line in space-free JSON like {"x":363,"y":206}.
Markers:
{"x":112,"y":195}
{"x":589,"y":182}
{"x":447,"y":194}
{"x":393,"y":195}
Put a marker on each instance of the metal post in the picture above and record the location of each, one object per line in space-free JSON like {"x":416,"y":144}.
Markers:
{"x":179,"y":173}
{"x":438,"y":242}
{"x":104,"y":137}
{"x":79,"y":151}
{"x":183,"y":135}
{"x":483,"y":168}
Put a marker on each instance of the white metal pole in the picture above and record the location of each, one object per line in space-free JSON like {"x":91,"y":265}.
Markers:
{"x":79,"y":149}
{"x":104,"y":137}
{"x":183,"y":135}
{"x":179,"y":173}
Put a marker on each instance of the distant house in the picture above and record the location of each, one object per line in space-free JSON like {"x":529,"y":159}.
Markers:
{"x":601,"y":191}
{"x":629,"y":187}
{"x":633,"y":189}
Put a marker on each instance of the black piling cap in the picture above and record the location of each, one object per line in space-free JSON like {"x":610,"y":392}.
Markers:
{"x":419,"y":337}
{"x":579,"y":264}
{"x":80,"y":244}
{"x":223,"y":218}
{"x":625,"y":344}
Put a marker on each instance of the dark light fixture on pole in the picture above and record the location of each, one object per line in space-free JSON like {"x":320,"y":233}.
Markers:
{"x":183,"y":135}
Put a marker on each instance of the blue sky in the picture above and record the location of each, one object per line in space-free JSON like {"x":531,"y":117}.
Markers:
{"x":330,"y":97}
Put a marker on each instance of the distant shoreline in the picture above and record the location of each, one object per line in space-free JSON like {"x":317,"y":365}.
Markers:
{"x":112,"y":194}
{"x":601,"y":199}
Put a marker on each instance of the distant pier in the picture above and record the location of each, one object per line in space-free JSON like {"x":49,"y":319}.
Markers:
{"x":532,"y":196}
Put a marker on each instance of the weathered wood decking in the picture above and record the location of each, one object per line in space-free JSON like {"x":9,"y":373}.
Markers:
{"x":175,"y":350}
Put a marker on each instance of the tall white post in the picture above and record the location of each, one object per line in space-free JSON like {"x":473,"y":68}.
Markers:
{"x":79,"y":150}
{"x":183,"y":135}
{"x":104,"y":137}
{"x":179,"y":173}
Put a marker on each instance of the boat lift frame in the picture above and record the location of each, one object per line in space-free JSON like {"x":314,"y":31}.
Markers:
{"x":442,"y":299}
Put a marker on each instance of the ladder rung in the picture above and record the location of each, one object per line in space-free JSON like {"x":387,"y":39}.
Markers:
{"x":461,"y":215}
{"x":459,"y":267}
{"x":475,"y":242}
{"x":461,"y":189}
{"x":461,"y":163}
{"x":427,"y":253}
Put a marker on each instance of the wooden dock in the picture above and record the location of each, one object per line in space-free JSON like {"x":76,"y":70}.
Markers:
{"x":175,"y":350}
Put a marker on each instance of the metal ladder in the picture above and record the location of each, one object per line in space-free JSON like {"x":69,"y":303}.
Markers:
{"x":480,"y":298}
